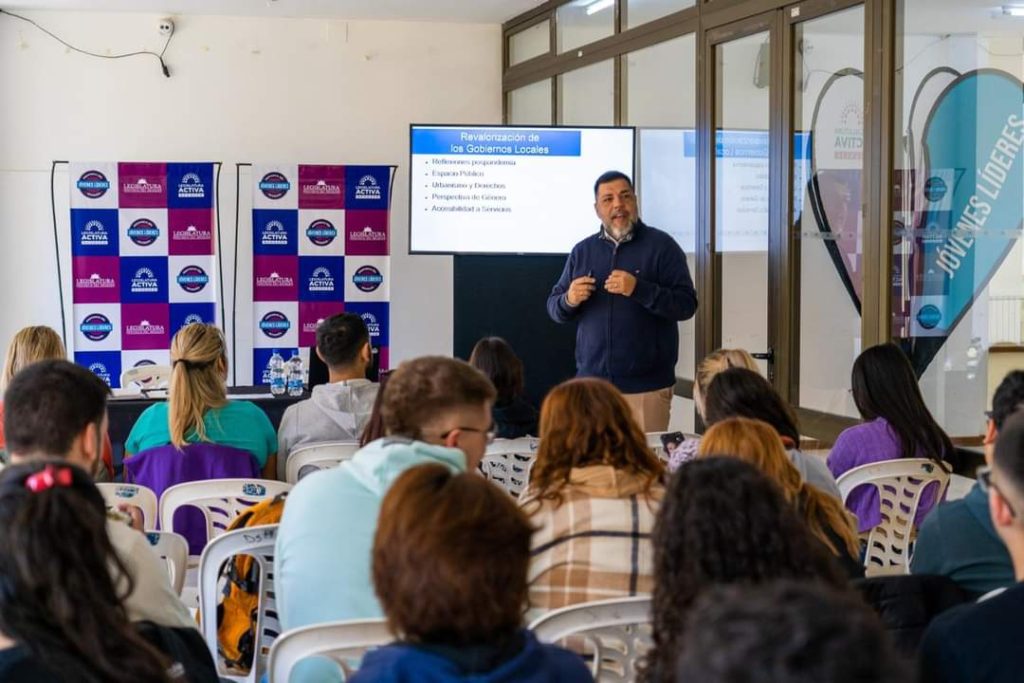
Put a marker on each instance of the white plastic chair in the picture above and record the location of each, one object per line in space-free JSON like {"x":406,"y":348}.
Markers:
{"x":147,"y":377}
{"x":343,"y":641}
{"x":615,"y":633}
{"x":220,"y":500}
{"x":136,"y":495}
{"x":900,"y":484}
{"x":507,"y":462}
{"x":257,"y":541}
{"x":172,"y":548}
{"x":311,"y":457}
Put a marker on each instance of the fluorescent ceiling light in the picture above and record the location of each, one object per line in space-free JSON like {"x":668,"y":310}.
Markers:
{"x":1009,"y":10}
{"x":598,"y":5}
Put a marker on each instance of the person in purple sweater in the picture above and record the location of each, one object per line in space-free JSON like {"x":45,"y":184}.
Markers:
{"x":897,"y":424}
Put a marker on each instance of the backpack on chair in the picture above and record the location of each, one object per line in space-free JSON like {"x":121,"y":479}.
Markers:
{"x":238,"y":612}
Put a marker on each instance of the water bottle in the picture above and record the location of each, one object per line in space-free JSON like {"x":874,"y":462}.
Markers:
{"x":295,"y":375}
{"x":276,"y":369}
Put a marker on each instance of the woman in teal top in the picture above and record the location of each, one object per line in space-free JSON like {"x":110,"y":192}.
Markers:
{"x":197,"y":407}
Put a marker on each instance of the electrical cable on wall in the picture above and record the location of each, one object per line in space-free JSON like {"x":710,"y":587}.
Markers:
{"x":159,"y":55}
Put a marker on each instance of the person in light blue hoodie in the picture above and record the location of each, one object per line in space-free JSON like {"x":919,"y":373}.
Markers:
{"x":434,"y":410}
{"x":450,"y":562}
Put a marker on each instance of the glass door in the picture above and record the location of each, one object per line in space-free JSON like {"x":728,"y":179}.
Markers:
{"x":741,"y":186}
{"x":825,"y":86}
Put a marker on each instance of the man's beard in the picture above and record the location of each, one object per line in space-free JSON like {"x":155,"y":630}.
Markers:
{"x":619,"y":234}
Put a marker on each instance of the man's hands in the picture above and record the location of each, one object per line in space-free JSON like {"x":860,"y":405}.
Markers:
{"x":580,"y":290}
{"x":620,"y":282}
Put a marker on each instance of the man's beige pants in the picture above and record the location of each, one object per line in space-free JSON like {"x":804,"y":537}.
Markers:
{"x":651,"y":409}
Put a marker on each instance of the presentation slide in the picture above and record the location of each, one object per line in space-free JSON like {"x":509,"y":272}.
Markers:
{"x":508,"y":190}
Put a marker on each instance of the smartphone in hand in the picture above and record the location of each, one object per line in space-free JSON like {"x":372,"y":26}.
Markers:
{"x":670,"y":441}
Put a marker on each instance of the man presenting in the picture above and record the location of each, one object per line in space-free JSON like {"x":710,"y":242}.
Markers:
{"x":627,"y":287}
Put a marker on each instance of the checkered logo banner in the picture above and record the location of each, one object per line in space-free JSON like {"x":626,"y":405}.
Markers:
{"x":321,"y":246}
{"x":143,"y":248}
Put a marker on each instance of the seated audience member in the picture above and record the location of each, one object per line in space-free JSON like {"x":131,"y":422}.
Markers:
{"x":713,"y":363}
{"x":374,"y":427}
{"x":757,"y":443}
{"x":61,"y":612}
{"x":37,"y":343}
{"x":980,"y":643}
{"x":336,"y":411}
{"x":723,"y":522}
{"x":958,"y":539}
{"x":434,"y":410}
{"x":449,"y":566}
{"x":197,"y":407}
{"x":593,"y":496}
{"x":56,"y":409}
{"x":513,"y":415}
{"x":816,"y":635}
{"x":897,"y":425}
{"x":738,"y":392}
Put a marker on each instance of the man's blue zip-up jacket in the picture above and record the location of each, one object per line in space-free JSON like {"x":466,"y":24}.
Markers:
{"x":633,"y":341}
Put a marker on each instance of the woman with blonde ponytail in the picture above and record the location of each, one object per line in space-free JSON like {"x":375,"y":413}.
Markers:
{"x":759,"y":444}
{"x":197,"y":407}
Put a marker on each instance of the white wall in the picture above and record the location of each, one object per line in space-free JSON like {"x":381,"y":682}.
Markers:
{"x":242,"y":89}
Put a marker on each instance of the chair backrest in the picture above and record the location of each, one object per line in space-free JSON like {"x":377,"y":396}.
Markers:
{"x":172,"y":548}
{"x":147,"y":377}
{"x":654,"y":443}
{"x":258,"y":542}
{"x":311,"y":457}
{"x":343,"y":641}
{"x":615,"y":634}
{"x":900,"y":484}
{"x":507,"y":462}
{"x":136,"y":495}
{"x":218,"y":501}
{"x":165,"y":466}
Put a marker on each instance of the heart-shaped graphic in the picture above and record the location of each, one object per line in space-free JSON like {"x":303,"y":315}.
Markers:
{"x":837,"y":156}
{"x":966,"y":203}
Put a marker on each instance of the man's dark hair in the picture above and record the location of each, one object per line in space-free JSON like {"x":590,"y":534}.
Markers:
{"x":1008,"y":454}
{"x":340,"y":338}
{"x":1008,"y":397}
{"x":421,"y":389}
{"x":48,"y":404}
{"x":786,"y":632}
{"x":610,"y":177}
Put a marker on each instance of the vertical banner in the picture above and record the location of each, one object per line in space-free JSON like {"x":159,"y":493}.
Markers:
{"x":143,"y":260}
{"x":321,"y":246}
{"x":967,"y":192}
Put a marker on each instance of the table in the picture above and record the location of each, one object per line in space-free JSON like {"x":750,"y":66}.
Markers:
{"x":123,"y":412}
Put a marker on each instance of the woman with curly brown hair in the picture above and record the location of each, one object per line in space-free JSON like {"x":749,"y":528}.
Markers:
{"x":593,"y":495}
{"x":723,"y":522}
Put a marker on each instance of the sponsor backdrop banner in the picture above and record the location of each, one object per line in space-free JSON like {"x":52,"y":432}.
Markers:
{"x":143,"y":260}
{"x":321,"y":245}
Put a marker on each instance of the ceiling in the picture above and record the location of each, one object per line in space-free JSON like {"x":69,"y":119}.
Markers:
{"x":470,"y":11}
